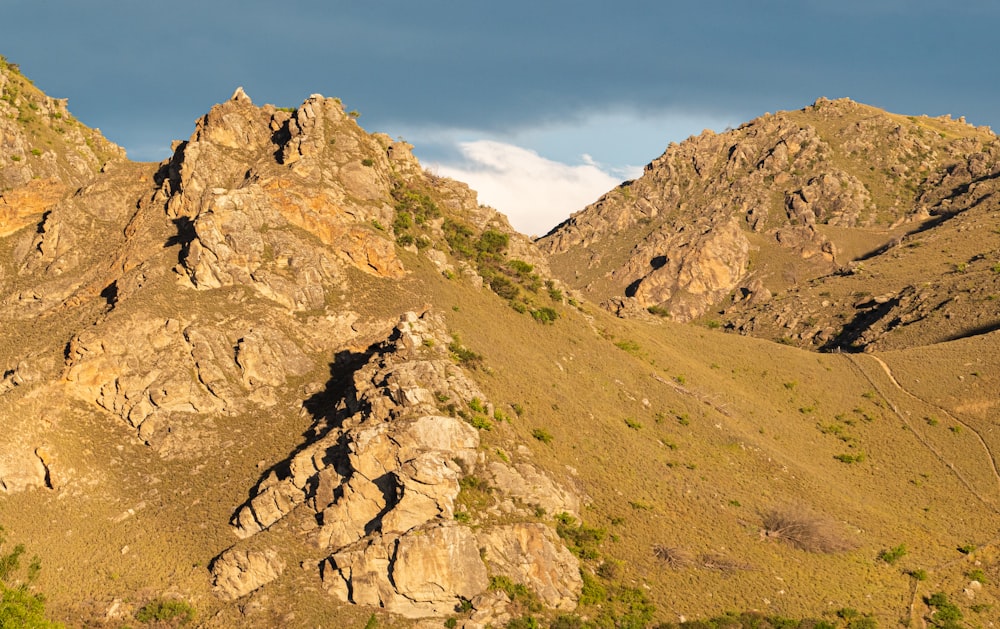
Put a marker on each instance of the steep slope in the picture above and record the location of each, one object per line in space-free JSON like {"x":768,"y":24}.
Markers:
{"x":45,"y":153}
{"x":728,"y":221}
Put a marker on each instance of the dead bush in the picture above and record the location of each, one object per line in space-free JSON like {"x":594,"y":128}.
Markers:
{"x":715,"y":561}
{"x":804,"y":530}
{"x":673,"y":557}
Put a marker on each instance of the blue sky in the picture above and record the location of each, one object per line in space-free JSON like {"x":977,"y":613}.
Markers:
{"x":541,"y":105}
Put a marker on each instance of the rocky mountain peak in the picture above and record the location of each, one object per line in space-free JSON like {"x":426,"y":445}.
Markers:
{"x":746,"y":211}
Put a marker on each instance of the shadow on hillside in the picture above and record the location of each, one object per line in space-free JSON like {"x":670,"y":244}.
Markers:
{"x":329,"y":408}
{"x":849,"y":338}
{"x":977,"y":331}
{"x":939,"y":215}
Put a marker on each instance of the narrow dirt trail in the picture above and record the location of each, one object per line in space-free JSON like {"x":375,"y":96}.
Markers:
{"x":915,"y":610}
{"x":965,"y":425}
{"x":852,"y":358}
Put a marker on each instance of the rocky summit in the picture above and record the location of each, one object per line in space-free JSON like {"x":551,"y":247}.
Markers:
{"x":287,"y":377}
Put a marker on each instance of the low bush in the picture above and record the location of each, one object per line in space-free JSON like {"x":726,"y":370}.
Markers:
{"x":797,"y":527}
{"x":542,"y":435}
{"x":892,"y":555}
{"x":164,"y":610}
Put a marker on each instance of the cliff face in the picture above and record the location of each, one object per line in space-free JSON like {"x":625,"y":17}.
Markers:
{"x":724,"y":221}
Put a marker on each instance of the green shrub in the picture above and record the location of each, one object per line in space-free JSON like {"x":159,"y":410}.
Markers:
{"x":629,"y":346}
{"x":542,"y":435}
{"x":163,"y":610}
{"x":945,"y":613}
{"x":583,"y":541}
{"x":544,"y":315}
{"x":892,"y":555}
{"x":503,"y":286}
{"x":520,"y":267}
{"x":851,"y":458}
{"x":493,"y":242}
{"x":19,"y":606}
{"x":481,"y":423}
{"x":463,"y":354}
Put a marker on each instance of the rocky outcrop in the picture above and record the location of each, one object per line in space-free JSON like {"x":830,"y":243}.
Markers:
{"x":382,"y":477}
{"x":45,"y":153}
{"x":41,"y":141}
{"x":530,"y":486}
{"x":238,"y":573}
{"x":695,"y":272}
{"x":415,"y":575}
{"x":150,"y":372}
{"x":249,"y":174}
{"x":533,"y":554}
{"x":841,"y":311}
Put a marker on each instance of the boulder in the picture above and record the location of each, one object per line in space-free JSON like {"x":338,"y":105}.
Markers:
{"x":236,"y":573}
{"x":420,"y":574}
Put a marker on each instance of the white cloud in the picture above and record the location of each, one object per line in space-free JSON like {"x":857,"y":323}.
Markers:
{"x":539,"y":174}
{"x":535,"y":193}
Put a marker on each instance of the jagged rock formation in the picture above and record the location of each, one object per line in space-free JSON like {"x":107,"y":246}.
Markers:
{"x":739,"y":216}
{"x":382,"y":476}
{"x":180,"y":297}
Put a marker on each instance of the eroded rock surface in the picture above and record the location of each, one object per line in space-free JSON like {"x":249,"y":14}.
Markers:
{"x":382,"y":477}
{"x":238,"y":573}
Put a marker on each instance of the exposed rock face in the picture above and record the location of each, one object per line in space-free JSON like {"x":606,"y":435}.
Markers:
{"x":334,"y":183}
{"x":532,"y":553}
{"x":412,"y":575}
{"x":698,"y":271}
{"x":382,"y":477}
{"x":781,"y":185}
{"x":526,"y":483}
{"x":238,"y":573}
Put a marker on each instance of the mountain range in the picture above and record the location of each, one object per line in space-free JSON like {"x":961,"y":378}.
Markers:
{"x":288,"y":377}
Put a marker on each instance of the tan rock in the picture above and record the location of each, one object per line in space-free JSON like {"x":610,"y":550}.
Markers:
{"x":236,"y":573}
{"x":423,"y":573}
{"x":533,"y":555}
